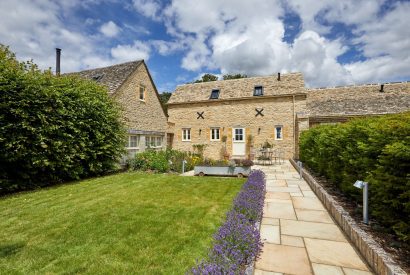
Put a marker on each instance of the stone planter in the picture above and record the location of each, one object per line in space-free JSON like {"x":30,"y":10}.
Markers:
{"x":239,"y":171}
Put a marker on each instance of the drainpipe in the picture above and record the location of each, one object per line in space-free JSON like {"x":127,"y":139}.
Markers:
{"x":58,"y":55}
{"x":294,"y":128}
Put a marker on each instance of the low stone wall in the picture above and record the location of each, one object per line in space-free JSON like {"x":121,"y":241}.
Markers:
{"x":377,"y":258}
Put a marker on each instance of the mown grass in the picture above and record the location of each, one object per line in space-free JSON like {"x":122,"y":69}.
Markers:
{"x":125,"y":223}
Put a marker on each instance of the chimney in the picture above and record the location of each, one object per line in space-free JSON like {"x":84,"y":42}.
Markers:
{"x":58,"y":55}
{"x":278,"y":76}
{"x":381,"y":88}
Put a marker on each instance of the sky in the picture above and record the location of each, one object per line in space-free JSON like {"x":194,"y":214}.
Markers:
{"x":332,"y":42}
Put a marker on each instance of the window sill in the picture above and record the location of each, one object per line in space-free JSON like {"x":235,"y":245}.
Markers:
{"x":186,"y":140}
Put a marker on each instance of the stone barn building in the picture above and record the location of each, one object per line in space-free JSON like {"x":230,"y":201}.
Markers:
{"x":275,"y":109}
{"x":131,"y":85}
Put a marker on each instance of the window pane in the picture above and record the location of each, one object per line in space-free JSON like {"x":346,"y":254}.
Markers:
{"x":217,"y":133}
{"x":133,"y":141}
{"x":214,"y":94}
{"x":142,"y":93}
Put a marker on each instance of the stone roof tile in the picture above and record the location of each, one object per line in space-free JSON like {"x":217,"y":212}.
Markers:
{"x":359,"y":100}
{"x":112,"y":76}
{"x":291,"y":83}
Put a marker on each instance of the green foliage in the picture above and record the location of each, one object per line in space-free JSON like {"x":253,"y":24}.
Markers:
{"x":164,"y":161}
{"x":163,"y":98}
{"x":199,"y":149}
{"x":233,"y":76}
{"x":53,"y":129}
{"x":374,"y":149}
{"x":207,"y":78}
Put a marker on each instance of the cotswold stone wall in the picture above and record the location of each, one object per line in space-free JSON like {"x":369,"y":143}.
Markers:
{"x":237,"y":113}
{"x":141,"y":115}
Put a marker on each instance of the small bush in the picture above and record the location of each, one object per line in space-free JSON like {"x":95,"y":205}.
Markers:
{"x":237,"y":242}
{"x":376,"y":150}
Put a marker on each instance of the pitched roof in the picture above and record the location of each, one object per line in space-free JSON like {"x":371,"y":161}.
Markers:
{"x":112,"y":76}
{"x":291,"y":83}
{"x":359,"y":100}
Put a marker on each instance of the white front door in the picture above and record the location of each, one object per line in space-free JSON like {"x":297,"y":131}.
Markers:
{"x":238,"y":142}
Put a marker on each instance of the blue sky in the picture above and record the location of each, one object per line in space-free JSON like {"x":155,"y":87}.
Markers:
{"x":331,"y":42}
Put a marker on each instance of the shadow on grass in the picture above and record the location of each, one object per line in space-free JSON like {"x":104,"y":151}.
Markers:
{"x":7,"y":250}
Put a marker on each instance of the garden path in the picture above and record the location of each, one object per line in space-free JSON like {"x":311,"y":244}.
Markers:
{"x":299,"y":235}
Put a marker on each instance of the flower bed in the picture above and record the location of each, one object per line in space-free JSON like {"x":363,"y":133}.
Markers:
{"x":237,"y":242}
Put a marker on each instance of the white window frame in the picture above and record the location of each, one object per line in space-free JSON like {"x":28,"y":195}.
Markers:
{"x":141,"y":89}
{"x":152,"y":142}
{"x":212,"y":136}
{"x":281,"y":132}
{"x":186,"y":134}
{"x":129,"y":147}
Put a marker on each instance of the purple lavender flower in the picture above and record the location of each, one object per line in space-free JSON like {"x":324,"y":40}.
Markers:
{"x":237,"y":242}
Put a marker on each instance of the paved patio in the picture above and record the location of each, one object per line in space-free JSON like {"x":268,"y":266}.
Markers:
{"x":299,"y":235}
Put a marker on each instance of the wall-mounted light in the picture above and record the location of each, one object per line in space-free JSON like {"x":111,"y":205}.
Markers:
{"x":200,"y":131}
{"x":259,"y":131}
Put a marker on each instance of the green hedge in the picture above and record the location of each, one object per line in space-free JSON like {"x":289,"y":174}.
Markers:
{"x":53,"y":129}
{"x":376,"y":150}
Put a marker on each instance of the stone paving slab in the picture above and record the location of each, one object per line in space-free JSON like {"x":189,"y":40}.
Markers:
{"x":299,"y":235}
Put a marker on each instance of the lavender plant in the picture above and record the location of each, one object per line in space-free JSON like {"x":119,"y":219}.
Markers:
{"x":237,"y":242}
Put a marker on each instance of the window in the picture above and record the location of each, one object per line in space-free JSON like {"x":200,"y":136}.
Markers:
{"x":142,"y":93}
{"x":258,"y":91}
{"x":153,"y":142}
{"x":214,"y":94}
{"x":186,"y":134}
{"x":215,"y":134}
{"x":278,"y":132}
{"x":133,"y":141}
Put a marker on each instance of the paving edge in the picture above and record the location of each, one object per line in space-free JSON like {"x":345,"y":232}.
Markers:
{"x":376,"y":257}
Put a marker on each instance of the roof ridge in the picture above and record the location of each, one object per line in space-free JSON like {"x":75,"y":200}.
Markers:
{"x":357,"y":85}
{"x":239,"y":79}
{"x":110,"y":66}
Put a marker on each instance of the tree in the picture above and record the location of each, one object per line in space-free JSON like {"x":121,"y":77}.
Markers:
{"x":233,"y":76}
{"x":53,"y":129}
{"x":164,"y":97}
{"x":207,"y":78}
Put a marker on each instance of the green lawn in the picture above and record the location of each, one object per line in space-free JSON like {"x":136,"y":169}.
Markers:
{"x":125,"y":223}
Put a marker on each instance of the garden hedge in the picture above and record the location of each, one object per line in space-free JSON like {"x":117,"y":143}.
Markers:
{"x":53,"y":129}
{"x":376,"y":150}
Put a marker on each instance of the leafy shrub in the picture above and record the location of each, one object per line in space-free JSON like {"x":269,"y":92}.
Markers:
{"x":150,"y":160}
{"x":237,"y":242}
{"x":376,"y":150}
{"x":53,"y":129}
{"x":164,"y":161}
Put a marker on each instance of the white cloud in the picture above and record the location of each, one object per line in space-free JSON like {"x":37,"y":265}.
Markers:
{"x":248,"y":37}
{"x":110,"y":29}
{"x":123,"y":53}
{"x":167,"y":47}
{"x":148,"y":8}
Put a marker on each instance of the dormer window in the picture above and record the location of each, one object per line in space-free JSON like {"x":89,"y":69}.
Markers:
{"x":214,"y":94}
{"x":258,"y":91}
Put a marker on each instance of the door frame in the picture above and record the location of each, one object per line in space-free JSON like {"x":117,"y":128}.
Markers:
{"x":243,"y":141}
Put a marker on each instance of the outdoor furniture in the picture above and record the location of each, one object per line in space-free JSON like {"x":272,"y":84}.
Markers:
{"x":265,"y":156}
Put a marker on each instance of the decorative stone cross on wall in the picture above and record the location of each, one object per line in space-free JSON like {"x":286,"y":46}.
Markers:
{"x":259,"y":112}
{"x":200,"y":115}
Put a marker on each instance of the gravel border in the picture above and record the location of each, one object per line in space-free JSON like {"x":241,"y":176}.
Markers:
{"x":377,"y":258}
